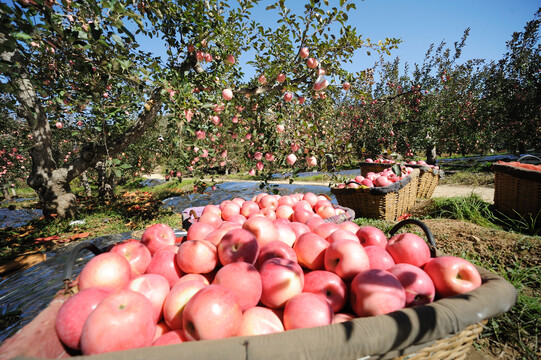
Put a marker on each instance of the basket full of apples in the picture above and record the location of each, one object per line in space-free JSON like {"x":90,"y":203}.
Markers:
{"x":377,"y":165}
{"x":384,"y":195}
{"x":266,"y":287}
{"x":429,"y":177}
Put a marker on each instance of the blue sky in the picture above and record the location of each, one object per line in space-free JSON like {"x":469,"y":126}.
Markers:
{"x":419,"y":23}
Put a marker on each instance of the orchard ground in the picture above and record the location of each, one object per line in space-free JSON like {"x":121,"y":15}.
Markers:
{"x":514,"y":255}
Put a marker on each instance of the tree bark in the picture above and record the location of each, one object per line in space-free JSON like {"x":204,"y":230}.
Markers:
{"x":86,"y":184}
{"x":5,"y":192}
{"x":106,"y":181}
{"x":431,"y":155}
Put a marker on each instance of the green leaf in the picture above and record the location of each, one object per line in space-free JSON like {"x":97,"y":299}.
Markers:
{"x":118,"y":40}
{"x":21,"y":36}
{"x":117,"y":172}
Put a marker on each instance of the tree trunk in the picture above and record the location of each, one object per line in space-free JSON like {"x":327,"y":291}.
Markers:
{"x":86,"y":184}
{"x":5,"y":192}
{"x":431,"y":155}
{"x":106,"y":181}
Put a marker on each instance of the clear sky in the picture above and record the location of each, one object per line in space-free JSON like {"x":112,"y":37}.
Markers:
{"x":419,"y":23}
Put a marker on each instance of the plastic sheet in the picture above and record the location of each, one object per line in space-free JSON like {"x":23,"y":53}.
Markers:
{"x":16,"y":218}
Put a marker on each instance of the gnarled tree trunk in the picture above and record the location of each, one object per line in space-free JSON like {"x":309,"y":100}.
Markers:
{"x":86,"y":184}
{"x":106,"y":181}
{"x":431,"y":155}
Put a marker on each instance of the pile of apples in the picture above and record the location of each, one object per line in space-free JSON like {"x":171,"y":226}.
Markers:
{"x":251,"y":267}
{"x":373,"y":179}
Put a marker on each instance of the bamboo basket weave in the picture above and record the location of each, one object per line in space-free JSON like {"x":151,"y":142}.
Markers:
{"x":454,"y":347}
{"x":387,"y":202}
{"x":517,"y":191}
{"x":428,"y":180}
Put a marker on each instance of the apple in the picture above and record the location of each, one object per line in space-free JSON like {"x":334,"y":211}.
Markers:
{"x":59,"y":125}
{"x":238,"y":245}
{"x":244,"y":280}
{"x":229,"y":209}
{"x":158,"y":235}
{"x":291,"y":159}
{"x":106,"y":269}
{"x":341,"y":234}
{"x":262,"y":228}
{"x":281,"y":279}
{"x":314,"y":221}
{"x":327,"y":284}
{"x":188,"y":277}
{"x":452,"y":275}
{"x":213,"y":313}
{"x":288,"y":96}
{"x":169,"y":338}
{"x":260,"y":320}
{"x":227,"y":94}
{"x":164,"y":263}
{"x":248,"y":208}
{"x":376,"y":292}
{"x":370,"y":235}
{"x":230,"y":59}
{"x":311,"y":161}
{"x":199,"y":230}
{"x":154,"y":287}
{"x":281,"y":78}
{"x":378,"y":257}
{"x":216,"y":236}
{"x":303,"y":53}
{"x":136,"y":253}
{"x":161,"y":328}
{"x":285,"y":233}
{"x":307,"y":310}
{"x":382,"y":181}
{"x":284,"y":211}
{"x":262,"y":79}
{"x":277,"y":249}
{"x":209,"y":218}
{"x":346,"y":258}
{"x":325,"y":229}
{"x":310,"y":250}
{"x":346,"y":86}
{"x":176,"y":300}
{"x":342,"y":317}
{"x":73,"y":313}
{"x":312,"y":63}
{"x":123,"y":320}
{"x":197,"y":256}
{"x":212,"y":209}
{"x":408,"y":248}
{"x":299,"y":229}
{"x":367,"y":182}
{"x":268,"y":201}
{"x":418,"y":285}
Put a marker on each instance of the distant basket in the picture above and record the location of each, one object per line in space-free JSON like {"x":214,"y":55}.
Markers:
{"x":517,"y":188}
{"x":375,"y":167}
{"x":428,"y":180}
{"x":386,"y":202}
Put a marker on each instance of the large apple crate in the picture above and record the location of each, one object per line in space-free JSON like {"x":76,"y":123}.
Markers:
{"x":428,"y":180}
{"x":385,"y":202}
{"x":444,"y":329}
{"x":517,"y":188}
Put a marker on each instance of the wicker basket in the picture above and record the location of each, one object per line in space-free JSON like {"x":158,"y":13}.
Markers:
{"x":387,"y":202}
{"x":517,"y":190}
{"x":454,"y":347}
{"x":367,"y":167}
{"x":428,"y":180}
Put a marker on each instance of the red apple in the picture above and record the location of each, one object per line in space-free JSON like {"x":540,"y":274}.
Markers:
{"x":276,"y":249}
{"x":408,"y":248}
{"x":342,"y":317}
{"x":327,"y":284}
{"x":260,"y":321}
{"x":136,"y":253}
{"x":238,"y":245}
{"x":346,"y":258}
{"x":376,"y":292}
{"x":285,"y":233}
{"x":244,"y":280}
{"x":419,"y":287}
{"x":262,"y":228}
{"x":307,"y":310}
{"x":123,"y":320}
{"x":107,"y":269}
{"x":72,"y":315}
{"x":378,"y":257}
{"x":325,"y":229}
{"x":209,"y":218}
{"x":310,"y":249}
{"x":341,"y":234}
{"x":370,"y":235}
{"x":303,"y":53}
{"x":212,"y":313}
{"x":177,"y":299}
{"x":350,"y":226}
{"x":248,"y":208}
{"x":154,"y":287}
{"x":164,"y":263}
{"x":169,"y":338}
{"x":281,"y":279}
{"x":158,"y":235}
{"x":197,"y":256}
{"x":452,"y":275}
{"x":188,"y":277}
{"x":200,"y":230}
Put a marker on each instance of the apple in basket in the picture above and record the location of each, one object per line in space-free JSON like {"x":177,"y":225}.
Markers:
{"x":408,"y":248}
{"x":452,"y":275}
{"x":376,"y":292}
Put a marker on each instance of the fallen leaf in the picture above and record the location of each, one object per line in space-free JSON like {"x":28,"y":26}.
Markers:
{"x":79,"y":236}
{"x":49,"y":238}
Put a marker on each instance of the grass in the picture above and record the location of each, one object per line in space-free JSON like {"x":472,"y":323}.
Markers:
{"x":471,"y":208}
{"x":469,"y":178}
